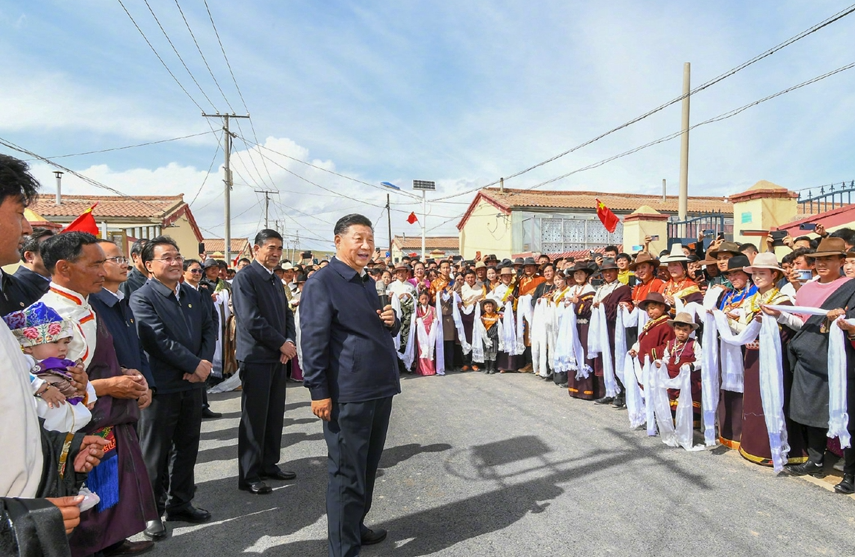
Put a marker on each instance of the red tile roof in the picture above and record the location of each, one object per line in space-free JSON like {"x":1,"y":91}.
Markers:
{"x":431,"y":242}
{"x":219,"y":244}
{"x":133,"y":207}
{"x":576,"y":254}
{"x":585,"y":201}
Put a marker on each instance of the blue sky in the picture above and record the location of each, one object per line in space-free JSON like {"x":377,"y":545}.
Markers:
{"x":457,"y":92}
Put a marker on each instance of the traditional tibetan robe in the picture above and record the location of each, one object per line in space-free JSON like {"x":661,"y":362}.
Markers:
{"x":610,"y":296}
{"x":754,"y":443}
{"x":469,"y":295}
{"x":491,"y":325}
{"x":652,"y":339}
{"x":584,"y":387}
{"x":676,"y":355}
{"x":527,"y":285}
{"x":686,"y":290}
{"x":426,"y":318}
{"x":642,"y":289}
{"x":441,"y":284}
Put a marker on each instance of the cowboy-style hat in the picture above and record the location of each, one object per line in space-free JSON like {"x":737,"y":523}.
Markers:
{"x":519,"y":261}
{"x":287,"y":266}
{"x":588,"y":267}
{"x":765,"y":260}
{"x":644,"y":257}
{"x":491,"y":257}
{"x":683,"y":318}
{"x":489,"y":300}
{"x":506,"y":271}
{"x":654,"y":297}
{"x":529,"y":261}
{"x":725,"y":247}
{"x":608,"y":263}
{"x":738,"y":263}
{"x":506,"y":262}
{"x":480,"y":265}
{"x":676,"y":255}
{"x":829,"y":247}
{"x":402,"y":267}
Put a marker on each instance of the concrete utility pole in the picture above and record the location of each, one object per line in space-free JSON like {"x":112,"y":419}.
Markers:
{"x":683,"y":207}
{"x":227,"y":149}
{"x":266,"y":204}
{"x":58,"y":174}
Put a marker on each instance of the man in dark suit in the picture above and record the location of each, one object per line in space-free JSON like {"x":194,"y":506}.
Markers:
{"x":32,"y":275}
{"x":265,"y":343}
{"x":177,"y":333}
{"x":351,"y":369}
{"x":138,"y":274}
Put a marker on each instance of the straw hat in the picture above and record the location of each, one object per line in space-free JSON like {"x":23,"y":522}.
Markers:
{"x":480,"y":265}
{"x":829,"y":247}
{"x":676,"y":255}
{"x":654,"y":297}
{"x":765,"y":260}
{"x":683,"y":318}
{"x":644,"y":257}
{"x":491,"y":301}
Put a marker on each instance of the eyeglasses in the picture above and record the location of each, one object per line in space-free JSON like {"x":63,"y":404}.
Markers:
{"x":195,"y":271}
{"x":119,"y":260}
{"x":171,"y":260}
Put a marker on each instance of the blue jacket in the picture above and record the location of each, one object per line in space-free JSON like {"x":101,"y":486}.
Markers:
{"x":119,"y":319}
{"x":265,"y":321}
{"x":348,"y":353}
{"x":176,"y":334}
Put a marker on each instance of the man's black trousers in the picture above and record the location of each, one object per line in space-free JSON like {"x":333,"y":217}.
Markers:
{"x":261,"y":419}
{"x":172,"y":423}
{"x":355,"y":437}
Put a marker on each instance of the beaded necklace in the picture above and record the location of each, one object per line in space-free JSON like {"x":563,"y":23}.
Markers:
{"x":730,"y":302}
{"x":759,"y":299}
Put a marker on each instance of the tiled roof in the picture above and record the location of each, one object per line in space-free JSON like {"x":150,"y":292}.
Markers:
{"x":576,"y":254}
{"x":139,"y":206}
{"x":219,"y":244}
{"x":617,"y":202}
{"x":431,"y":242}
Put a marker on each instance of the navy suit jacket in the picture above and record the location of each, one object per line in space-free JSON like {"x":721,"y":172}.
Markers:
{"x":13,"y":294}
{"x":348,"y":353}
{"x":119,"y":319}
{"x":33,"y":283}
{"x":262,"y":312}
{"x":175,"y":334}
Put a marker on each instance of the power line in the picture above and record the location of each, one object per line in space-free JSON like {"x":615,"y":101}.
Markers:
{"x":125,"y":147}
{"x":179,"y":55}
{"x":159,"y":58}
{"x":208,"y":173}
{"x":810,"y":30}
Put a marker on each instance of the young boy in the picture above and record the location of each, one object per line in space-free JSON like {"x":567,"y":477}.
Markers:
{"x":490,"y":319}
{"x":681,"y":351}
{"x":656,"y":333}
{"x":44,"y":337}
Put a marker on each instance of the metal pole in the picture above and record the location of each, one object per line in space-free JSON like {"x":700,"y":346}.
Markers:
{"x":389,"y":222}
{"x":58,"y":174}
{"x":683,"y":207}
{"x":664,"y":191}
{"x":424,"y":224}
{"x":227,"y":213}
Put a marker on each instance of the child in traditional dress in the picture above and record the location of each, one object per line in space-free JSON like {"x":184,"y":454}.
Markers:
{"x":490,"y":319}
{"x":44,"y":337}
{"x":425,"y":335}
{"x":680,"y":351}
{"x":656,"y":332}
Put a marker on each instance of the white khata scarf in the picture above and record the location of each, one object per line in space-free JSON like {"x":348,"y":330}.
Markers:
{"x":508,"y":334}
{"x":709,"y":379}
{"x":524,"y":313}
{"x":838,"y":417}
{"x":733,"y":370}
{"x":772,"y":391}
{"x":428,"y":341}
{"x":458,"y":321}
{"x":632,"y":375}
{"x":681,"y":435}
{"x":598,"y":343}
{"x":541,"y":322}
{"x":439,"y":341}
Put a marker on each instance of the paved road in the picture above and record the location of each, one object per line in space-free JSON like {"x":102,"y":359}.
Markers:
{"x":509,"y":465}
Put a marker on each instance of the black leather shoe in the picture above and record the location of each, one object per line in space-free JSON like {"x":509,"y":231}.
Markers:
{"x":619,"y":402}
{"x":280,"y":475}
{"x":208,"y":413}
{"x":128,"y":547}
{"x":604,"y":400}
{"x":155,"y":530}
{"x":847,"y":486}
{"x":257,"y":488}
{"x":807,"y":468}
{"x":370,"y":537}
{"x":190,"y":514}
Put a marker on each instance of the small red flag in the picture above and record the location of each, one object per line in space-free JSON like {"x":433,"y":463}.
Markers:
{"x":84,"y":223}
{"x":412,"y":218}
{"x":609,"y":219}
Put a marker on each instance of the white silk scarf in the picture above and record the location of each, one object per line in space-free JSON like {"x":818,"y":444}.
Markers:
{"x":732,"y":367}
{"x":598,"y":343}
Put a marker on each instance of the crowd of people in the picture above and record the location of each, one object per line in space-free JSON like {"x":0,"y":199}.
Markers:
{"x":109,"y":357}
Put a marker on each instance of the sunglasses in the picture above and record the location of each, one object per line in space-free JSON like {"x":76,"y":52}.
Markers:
{"x":196,"y":271}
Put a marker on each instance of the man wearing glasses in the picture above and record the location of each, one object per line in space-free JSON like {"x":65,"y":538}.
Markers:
{"x":177,"y":332}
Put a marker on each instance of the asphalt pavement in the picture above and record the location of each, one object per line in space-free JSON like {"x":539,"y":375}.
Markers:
{"x":510,"y":465}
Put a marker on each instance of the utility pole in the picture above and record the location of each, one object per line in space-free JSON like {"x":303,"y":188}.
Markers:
{"x":683,"y":206}
{"x":227,"y":149}
{"x":389,"y":222}
{"x":266,"y":204}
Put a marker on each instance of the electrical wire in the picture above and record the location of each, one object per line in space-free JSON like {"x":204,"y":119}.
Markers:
{"x":208,"y":173}
{"x":125,"y":147}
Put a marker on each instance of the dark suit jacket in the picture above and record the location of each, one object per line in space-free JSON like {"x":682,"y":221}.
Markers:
{"x":13,"y":295}
{"x":135,"y":281}
{"x":119,"y":319}
{"x":261,"y":308}
{"x":33,"y":283}
{"x":175,"y":334}
{"x":348,"y":353}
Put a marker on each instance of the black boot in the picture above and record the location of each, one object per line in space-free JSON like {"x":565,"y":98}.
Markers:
{"x":847,"y":485}
{"x":620,"y":401}
{"x":807,"y":468}
{"x":604,"y":400}
{"x":560,"y":378}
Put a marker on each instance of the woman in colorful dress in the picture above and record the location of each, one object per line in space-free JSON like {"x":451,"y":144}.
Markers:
{"x":680,"y":286}
{"x":581,"y":294}
{"x":734,"y":304}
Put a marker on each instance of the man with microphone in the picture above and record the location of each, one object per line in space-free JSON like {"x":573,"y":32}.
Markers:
{"x":350,"y":368}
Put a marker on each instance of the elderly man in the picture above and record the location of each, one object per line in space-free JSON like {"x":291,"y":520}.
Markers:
{"x":265,"y":343}
{"x":32,"y":275}
{"x":350,"y":369}
{"x":176,"y":330}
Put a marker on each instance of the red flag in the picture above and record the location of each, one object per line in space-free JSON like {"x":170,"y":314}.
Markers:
{"x":609,"y":219}
{"x":412,"y":218}
{"x":84,"y":223}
